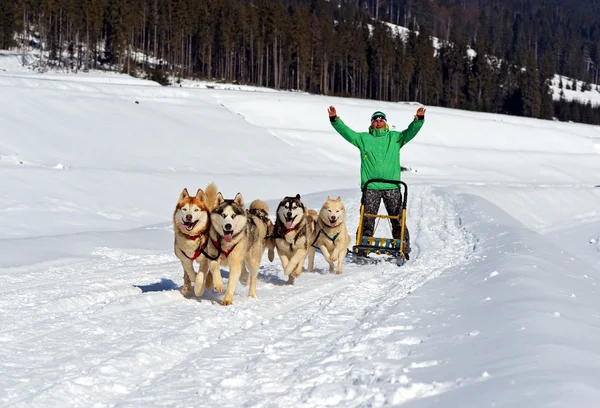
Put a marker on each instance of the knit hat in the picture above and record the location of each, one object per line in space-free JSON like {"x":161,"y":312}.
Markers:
{"x":378,"y":114}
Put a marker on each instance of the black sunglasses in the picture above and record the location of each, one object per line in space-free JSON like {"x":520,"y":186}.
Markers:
{"x":374,"y":118}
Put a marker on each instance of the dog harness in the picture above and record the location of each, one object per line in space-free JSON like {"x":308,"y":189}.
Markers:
{"x":261,"y":214}
{"x":288,"y":230}
{"x":218,"y":246}
{"x":332,"y":239}
{"x":281,"y":232}
{"x":201,"y":248}
{"x":198,"y":251}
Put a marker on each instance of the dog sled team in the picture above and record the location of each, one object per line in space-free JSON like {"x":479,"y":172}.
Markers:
{"x":214,"y":231}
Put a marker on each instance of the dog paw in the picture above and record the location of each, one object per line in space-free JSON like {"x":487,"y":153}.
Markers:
{"x":226,"y":301}
{"x":291,"y":280}
{"x":252,"y":293}
{"x":185,"y":290}
{"x":219,"y":287}
{"x":333,"y":258}
{"x":338,"y":273}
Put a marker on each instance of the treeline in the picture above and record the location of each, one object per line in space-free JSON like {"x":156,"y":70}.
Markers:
{"x":494,"y":56}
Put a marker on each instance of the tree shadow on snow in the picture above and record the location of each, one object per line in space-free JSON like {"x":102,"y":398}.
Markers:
{"x":162,"y":286}
{"x":273,"y":279}
{"x":214,"y":297}
{"x":208,"y":295}
{"x":263,"y":276}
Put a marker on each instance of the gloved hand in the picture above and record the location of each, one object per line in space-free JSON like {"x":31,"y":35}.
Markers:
{"x":332,"y":114}
{"x":420,"y":114}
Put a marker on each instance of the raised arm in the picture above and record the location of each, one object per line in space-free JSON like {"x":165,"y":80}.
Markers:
{"x":409,"y":133}
{"x":340,"y":127}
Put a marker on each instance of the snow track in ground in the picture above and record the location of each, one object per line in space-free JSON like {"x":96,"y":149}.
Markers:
{"x":91,"y":315}
{"x":91,"y":336}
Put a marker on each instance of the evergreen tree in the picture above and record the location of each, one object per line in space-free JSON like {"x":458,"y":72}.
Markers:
{"x":545,"y":80}
{"x":301,"y":51}
{"x":7,"y":23}
{"x":531,"y":89}
{"x":334,"y":47}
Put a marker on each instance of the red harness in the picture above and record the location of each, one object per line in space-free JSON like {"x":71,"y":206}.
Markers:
{"x":218,"y":246}
{"x":196,"y":253}
{"x":192,"y":237}
{"x":288,"y":230}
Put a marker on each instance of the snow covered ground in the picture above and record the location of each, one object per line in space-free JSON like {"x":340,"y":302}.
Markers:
{"x":498,"y":306}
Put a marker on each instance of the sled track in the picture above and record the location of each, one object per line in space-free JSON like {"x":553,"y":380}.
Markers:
{"x":95,"y":339}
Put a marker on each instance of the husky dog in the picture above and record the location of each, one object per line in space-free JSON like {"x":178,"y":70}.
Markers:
{"x":191,"y":220}
{"x":292,"y":229}
{"x":237,"y":239}
{"x":330,"y":235}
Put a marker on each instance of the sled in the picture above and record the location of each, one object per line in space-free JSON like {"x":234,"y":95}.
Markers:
{"x":393,"y":248}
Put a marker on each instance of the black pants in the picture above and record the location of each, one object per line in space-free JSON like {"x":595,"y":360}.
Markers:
{"x":392,"y":200}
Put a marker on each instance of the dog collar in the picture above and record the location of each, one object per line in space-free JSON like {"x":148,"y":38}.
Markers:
{"x":192,"y":237}
{"x":328,"y":225}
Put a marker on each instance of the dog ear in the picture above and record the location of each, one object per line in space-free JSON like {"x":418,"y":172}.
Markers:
{"x":184,"y":194}
{"x":328,"y":198}
{"x":220,"y":199}
{"x":239,"y":200}
{"x":338,"y":199}
{"x":298,"y":196}
{"x":200,"y":194}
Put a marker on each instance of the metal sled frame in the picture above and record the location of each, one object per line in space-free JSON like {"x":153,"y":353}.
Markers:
{"x":388,"y":246}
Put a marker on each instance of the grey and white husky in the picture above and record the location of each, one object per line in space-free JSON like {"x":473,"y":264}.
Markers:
{"x":292,"y":231}
{"x":238,"y":240}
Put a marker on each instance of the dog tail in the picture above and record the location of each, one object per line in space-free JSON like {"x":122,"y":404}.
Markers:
{"x":211,"y":196}
{"x":312,"y":215}
{"x":259,"y":205}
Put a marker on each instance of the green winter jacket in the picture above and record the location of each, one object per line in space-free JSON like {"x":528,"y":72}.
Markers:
{"x":379,"y":151}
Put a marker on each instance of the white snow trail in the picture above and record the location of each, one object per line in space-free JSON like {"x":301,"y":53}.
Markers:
{"x":324,"y":341}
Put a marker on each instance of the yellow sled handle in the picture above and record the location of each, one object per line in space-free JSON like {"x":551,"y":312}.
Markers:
{"x":402,"y":230}
{"x":360,"y":222}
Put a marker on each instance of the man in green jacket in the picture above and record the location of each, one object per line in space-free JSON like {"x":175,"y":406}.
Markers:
{"x":380,"y":158}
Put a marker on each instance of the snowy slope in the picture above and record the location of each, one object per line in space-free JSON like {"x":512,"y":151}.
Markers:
{"x":592,"y":96}
{"x":497,"y":307}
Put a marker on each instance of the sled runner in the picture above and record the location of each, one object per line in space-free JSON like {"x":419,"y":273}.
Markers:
{"x":376,"y":245}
